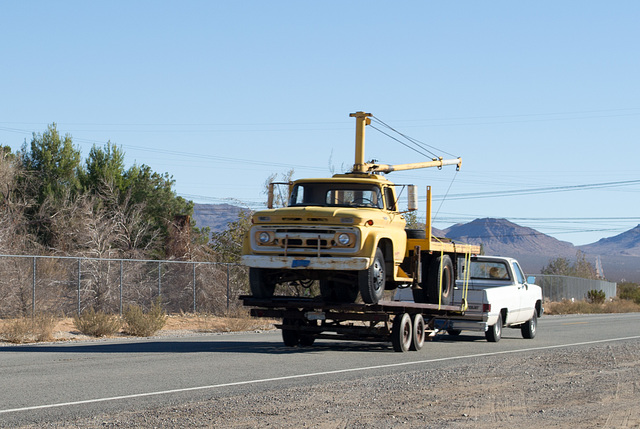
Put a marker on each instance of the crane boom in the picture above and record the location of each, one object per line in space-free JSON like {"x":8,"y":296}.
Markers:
{"x":360,"y":166}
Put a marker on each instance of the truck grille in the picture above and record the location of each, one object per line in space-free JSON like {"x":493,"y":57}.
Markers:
{"x":309,"y":240}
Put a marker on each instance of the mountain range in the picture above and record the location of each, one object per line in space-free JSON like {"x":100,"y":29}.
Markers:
{"x":620,"y":255}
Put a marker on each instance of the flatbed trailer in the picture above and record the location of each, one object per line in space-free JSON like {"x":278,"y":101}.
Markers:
{"x":405,"y":324}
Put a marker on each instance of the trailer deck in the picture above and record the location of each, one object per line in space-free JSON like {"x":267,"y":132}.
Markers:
{"x":405,"y":324}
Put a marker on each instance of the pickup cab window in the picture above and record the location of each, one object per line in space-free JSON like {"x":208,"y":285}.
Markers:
{"x":336,"y":195}
{"x":518,"y":272}
{"x":489,"y":271}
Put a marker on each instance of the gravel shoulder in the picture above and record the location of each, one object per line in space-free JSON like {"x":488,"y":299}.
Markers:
{"x":589,"y":386}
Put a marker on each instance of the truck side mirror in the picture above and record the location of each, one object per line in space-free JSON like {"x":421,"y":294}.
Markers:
{"x":412,"y":203}
{"x":531,"y":280}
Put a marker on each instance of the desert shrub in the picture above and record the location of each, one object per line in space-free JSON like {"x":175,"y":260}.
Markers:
{"x":596,"y":296}
{"x":143,"y":324}
{"x":97,"y":323}
{"x":29,"y":329}
{"x":630,"y":291}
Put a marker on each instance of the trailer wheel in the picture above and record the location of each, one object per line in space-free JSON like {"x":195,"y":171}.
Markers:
{"x":371,"y":281}
{"x":418,"y":332}
{"x":261,"y":286}
{"x":529,"y":328}
{"x":401,"y":333}
{"x":494,"y":333}
{"x":290,"y":337}
{"x":436,"y":276}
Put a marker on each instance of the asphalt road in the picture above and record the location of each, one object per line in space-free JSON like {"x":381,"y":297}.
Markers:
{"x":47,"y":382}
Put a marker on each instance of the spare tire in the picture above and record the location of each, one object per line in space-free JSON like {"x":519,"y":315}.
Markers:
{"x":416,"y":233}
{"x":436,"y":276}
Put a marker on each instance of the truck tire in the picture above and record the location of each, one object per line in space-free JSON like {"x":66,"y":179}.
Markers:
{"x":529,"y":328}
{"x":494,"y":333}
{"x":261,"y":286}
{"x":372,"y":280}
{"x":401,"y":333}
{"x":435,"y":276}
{"x":418,"y":332}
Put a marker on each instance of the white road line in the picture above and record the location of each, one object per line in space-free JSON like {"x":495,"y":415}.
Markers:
{"x":313,"y":374}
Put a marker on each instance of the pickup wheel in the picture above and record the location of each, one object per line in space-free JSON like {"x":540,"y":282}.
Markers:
{"x":418,"y":332}
{"x":261,"y":286}
{"x":494,"y":333}
{"x":436,"y":277}
{"x":401,"y":333}
{"x":371,"y":281}
{"x":529,"y":328}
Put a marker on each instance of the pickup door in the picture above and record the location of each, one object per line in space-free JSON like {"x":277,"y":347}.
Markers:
{"x":527,"y":297}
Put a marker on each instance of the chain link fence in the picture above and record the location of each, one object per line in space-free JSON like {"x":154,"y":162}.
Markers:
{"x":557,"y":288}
{"x":68,"y":285}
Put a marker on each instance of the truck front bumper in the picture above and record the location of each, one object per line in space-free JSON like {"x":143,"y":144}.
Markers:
{"x":306,"y":263}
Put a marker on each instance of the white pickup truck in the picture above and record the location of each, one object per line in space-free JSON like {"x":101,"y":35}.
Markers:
{"x":498,"y":296}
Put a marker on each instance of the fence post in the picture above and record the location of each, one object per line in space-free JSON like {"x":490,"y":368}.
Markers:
{"x":228,"y":289}
{"x":33,"y":292}
{"x":120,"y":287}
{"x":194,"y":287}
{"x":159,"y":279}
{"x":79,"y":278}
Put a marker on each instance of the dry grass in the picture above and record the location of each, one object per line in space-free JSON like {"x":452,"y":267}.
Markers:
{"x":584,"y":307}
{"x":29,"y":329}
{"x":235,"y":322}
{"x":63,"y":329}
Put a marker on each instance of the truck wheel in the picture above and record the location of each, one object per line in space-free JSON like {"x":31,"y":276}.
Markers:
{"x":290,"y":337}
{"x":401,"y":333}
{"x":435,"y":276}
{"x":494,"y":332}
{"x":417,"y":338}
{"x":261,"y":286}
{"x":529,"y":328}
{"x":371,"y":281}
{"x":307,"y":340}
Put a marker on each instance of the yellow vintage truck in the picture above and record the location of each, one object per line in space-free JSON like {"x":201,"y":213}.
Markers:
{"x":348,"y":233}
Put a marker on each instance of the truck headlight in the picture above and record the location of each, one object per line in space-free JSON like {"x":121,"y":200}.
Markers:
{"x":264,"y":237}
{"x":344,"y":239}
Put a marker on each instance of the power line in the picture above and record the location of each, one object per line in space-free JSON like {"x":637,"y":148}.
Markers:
{"x":552,"y":189}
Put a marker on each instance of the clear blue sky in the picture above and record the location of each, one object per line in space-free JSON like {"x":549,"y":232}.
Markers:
{"x":531,"y":95}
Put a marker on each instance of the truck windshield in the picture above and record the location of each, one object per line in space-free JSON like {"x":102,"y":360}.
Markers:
{"x":489,"y":271}
{"x":336,"y":195}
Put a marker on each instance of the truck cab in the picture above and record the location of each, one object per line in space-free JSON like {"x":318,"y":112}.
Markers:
{"x":348,"y":233}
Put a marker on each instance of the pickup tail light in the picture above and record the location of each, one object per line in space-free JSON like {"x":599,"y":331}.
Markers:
{"x":486,"y":308}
